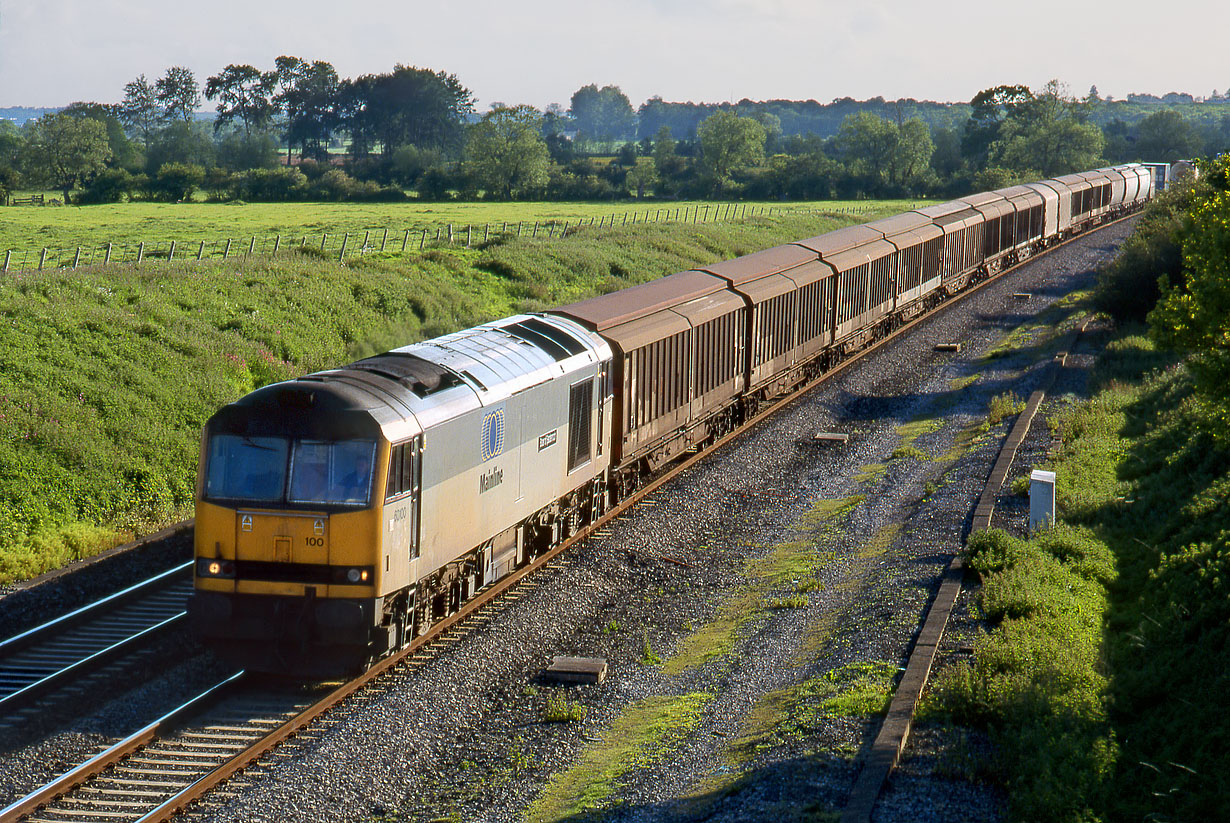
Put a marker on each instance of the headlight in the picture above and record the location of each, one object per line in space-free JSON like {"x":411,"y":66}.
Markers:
{"x":352,"y":575}
{"x":214,"y":567}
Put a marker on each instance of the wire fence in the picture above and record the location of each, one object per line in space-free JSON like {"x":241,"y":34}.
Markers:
{"x":346,"y":245}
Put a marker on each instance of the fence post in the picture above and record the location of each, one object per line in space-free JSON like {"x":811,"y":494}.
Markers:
{"x":385,"y":238}
{"x":42,"y":258}
{"x":170,"y":254}
{"x":252,"y":246}
{"x":199,"y":252}
{"x":277,"y":244}
{"x":518,"y":228}
{"x":405,"y":239}
{"x":227,"y":251}
{"x":77,"y":257}
{"x":423,"y":239}
{"x":450,"y":234}
{"x":467,"y":235}
{"x":363,"y":248}
{"x":535,"y":228}
{"x":625,"y":220}
{"x":551,"y":229}
{"x":140,"y":252}
{"x":486,"y":230}
{"x":342,"y":255}
{"x":8,"y":254}
{"x":303,"y":242}
{"x":323,"y":237}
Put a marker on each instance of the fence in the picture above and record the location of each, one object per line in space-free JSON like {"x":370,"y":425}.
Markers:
{"x":343,"y":245}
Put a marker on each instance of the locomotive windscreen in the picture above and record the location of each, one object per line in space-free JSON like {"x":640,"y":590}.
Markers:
{"x":257,"y":470}
{"x":246,"y":468}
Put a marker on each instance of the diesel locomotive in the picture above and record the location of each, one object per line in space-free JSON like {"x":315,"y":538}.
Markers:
{"x":340,"y":514}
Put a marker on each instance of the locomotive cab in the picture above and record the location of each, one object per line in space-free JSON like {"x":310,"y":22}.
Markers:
{"x":287,"y":526}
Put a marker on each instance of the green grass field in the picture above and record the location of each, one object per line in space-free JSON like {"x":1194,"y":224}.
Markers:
{"x":28,"y":229}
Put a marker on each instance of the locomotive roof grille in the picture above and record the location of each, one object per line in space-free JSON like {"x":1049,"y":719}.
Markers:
{"x":420,"y":376}
{"x":554,"y":341}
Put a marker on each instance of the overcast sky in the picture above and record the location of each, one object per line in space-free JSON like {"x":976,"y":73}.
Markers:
{"x":53,"y":52}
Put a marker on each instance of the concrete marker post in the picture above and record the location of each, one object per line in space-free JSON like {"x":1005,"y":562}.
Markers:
{"x":1041,"y":500}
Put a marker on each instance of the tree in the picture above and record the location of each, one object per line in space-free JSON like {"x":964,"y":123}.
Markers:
{"x":641,"y":176}
{"x":140,"y":110}
{"x":1048,"y":135}
{"x":178,"y":94}
{"x":666,"y":162}
{"x":190,"y":143}
{"x":603,"y":113}
{"x":1166,"y":136}
{"x":988,"y":111}
{"x":729,"y":143}
{"x":506,"y":153}
{"x":891,"y":158}
{"x":123,"y":152}
{"x":65,"y":151}
{"x":308,"y":93}
{"x":244,"y":93}
{"x":409,"y":106}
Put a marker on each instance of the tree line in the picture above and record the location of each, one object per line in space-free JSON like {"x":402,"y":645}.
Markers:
{"x":299,"y":131}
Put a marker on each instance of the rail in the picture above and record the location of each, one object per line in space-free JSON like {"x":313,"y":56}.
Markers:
{"x":48,"y":656}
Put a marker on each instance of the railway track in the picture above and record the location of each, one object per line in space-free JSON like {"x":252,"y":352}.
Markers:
{"x":60,"y":655}
{"x":163,"y":769}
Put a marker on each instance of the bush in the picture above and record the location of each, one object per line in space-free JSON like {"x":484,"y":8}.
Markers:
{"x":409,"y":162}
{"x":435,"y":184}
{"x":271,"y":185}
{"x":176,"y":182}
{"x":110,"y":186}
{"x":1127,"y":288}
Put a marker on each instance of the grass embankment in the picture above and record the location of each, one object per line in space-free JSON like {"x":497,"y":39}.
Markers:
{"x":106,"y":376}
{"x":126,"y":224}
{"x":1103,"y":679}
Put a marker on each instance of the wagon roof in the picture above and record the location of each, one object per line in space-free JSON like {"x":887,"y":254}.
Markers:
{"x":626,"y":305}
